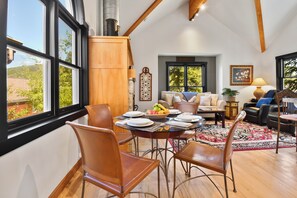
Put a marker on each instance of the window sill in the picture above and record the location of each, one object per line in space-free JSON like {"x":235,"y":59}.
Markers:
{"x":27,"y":135}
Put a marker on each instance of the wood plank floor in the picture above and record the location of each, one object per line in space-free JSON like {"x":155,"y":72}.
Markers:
{"x":257,"y":173}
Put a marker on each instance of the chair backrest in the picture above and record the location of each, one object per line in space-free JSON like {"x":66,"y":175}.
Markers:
{"x":100,"y":116}
{"x":100,"y":152}
{"x":190,"y":107}
{"x":285,"y":100}
{"x":228,"y":145}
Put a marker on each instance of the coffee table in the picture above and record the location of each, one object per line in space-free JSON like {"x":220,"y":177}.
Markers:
{"x":219,"y":113}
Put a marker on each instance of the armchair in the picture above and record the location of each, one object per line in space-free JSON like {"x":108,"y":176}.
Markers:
{"x":258,"y":115}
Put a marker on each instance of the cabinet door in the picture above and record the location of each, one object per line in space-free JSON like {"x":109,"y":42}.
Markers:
{"x":109,"y":86}
{"x":108,"y":53}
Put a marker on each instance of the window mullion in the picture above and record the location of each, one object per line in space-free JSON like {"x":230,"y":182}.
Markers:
{"x":3,"y":82}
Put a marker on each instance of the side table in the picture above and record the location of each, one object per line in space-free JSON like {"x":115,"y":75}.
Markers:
{"x":231,"y":109}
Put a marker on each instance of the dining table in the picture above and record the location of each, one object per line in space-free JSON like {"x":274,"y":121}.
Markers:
{"x":162,"y":129}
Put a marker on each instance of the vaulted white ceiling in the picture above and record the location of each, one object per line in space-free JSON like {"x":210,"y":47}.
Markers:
{"x":238,"y":15}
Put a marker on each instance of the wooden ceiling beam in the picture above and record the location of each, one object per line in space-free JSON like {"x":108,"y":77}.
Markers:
{"x":142,"y":17}
{"x":260,"y":25}
{"x":194,"y":6}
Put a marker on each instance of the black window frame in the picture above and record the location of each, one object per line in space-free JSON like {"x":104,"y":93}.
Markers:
{"x":280,"y":69}
{"x":16,"y":133}
{"x":186,"y":65}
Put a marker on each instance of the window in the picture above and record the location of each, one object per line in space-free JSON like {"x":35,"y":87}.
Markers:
{"x":43,"y":65}
{"x":186,"y":76}
{"x":286,"y":67}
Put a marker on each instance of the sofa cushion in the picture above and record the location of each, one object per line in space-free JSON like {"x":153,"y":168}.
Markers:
{"x":214,"y":99}
{"x":263,"y":101}
{"x":163,"y":93}
{"x":252,"y":110}
{"x":169,"y":98}
{"x":205,"y":100}
{"x":176,"y":99}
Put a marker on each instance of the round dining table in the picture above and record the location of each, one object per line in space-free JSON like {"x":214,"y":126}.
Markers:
{"x":160,"y":129}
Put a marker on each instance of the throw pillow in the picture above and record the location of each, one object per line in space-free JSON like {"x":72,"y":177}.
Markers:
{"x":263,"y":101}
{"x":214,"y":99}
{"x":176,"y":99}
{"x":205,"y":100}
{"x":169,"y":99}
{"x":198,"y":97}
{"x":193,"y":99}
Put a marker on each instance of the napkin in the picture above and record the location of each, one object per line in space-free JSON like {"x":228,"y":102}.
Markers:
{"x":180,"y":124}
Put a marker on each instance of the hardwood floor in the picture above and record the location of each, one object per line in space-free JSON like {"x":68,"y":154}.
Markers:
{"x":257,"y":174}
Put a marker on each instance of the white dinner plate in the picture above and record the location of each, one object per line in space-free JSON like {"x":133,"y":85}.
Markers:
{"x":140,"y":125}
{"x":133,"y":114}
{"x":174,"y":111}
{"x":188,"y":119}
{"x":139,"y":121}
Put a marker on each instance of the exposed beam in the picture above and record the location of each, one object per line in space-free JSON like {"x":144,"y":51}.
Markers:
{"x":194,"y":6}
{"x":142,"y":17}
{"x":260,"y":25}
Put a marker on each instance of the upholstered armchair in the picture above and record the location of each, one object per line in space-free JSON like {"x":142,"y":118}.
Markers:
{"x":258,"y":113}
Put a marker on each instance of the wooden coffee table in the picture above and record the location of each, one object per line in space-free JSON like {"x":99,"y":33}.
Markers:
{"x":219,"y":113}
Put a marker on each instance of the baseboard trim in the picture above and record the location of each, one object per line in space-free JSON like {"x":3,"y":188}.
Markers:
{"x":58,"y":190}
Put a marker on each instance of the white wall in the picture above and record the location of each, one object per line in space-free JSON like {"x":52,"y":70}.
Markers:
{"x":35,"y":169}
{"x":175,"y":35}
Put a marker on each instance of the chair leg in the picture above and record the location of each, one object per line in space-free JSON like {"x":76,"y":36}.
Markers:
{"x":233,"y":179}
{"x":159,"y":181}
{"x":174,"y":177}
{"x":226,"y":187}
{"x":83,"y":188}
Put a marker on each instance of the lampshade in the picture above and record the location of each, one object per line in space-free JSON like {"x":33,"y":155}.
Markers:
{"x":259,"y":82}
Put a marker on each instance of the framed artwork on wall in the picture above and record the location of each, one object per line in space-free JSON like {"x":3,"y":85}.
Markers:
{"x":145,"y":85}
{"x":241,"y":74}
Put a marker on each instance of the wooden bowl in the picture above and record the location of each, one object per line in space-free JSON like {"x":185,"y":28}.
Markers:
{"x":156,"y":116}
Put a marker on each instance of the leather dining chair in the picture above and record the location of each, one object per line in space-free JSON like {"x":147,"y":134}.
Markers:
{"x":209,"y":157}
{"x":105,"y":166}
{"x":100,"y":116}
{"x":186,"y":107}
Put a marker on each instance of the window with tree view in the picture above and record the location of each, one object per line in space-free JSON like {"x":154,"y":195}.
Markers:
{"x":186,"y":77}
{"x":287,"y":71}
{"x":42,"y":63}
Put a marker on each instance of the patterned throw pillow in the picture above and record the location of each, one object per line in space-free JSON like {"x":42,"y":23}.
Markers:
{"x":214,"y":99}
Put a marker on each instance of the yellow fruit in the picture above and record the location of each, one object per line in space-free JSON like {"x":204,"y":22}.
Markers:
{"x":161,"y":112}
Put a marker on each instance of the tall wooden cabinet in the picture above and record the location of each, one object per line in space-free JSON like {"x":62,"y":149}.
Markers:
{"x":109,"y":59}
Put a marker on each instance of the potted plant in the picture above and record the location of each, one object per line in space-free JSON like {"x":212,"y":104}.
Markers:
{"x":230,"y":94}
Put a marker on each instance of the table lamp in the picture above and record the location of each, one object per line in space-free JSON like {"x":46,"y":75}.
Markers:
{"x":258,"y":93}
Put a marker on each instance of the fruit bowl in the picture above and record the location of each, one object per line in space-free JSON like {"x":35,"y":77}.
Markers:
{"x":156,"y":116}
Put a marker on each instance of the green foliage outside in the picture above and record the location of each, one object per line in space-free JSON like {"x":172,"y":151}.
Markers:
{"x":290,"y":74}
{"x":177,"y":78}
{"x":34,"y":75}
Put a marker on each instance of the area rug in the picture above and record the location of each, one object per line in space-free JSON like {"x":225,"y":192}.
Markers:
{"x":247,"y":137}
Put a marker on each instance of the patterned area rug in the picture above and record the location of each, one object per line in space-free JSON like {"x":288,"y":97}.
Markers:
{"x":247,"y":137}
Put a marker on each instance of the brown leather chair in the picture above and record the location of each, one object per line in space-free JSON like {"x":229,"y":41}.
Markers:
{"x":215,"y":159}
{"x":105,"y":166}
{"x":189,"y":107}
{"x":100,"y":116}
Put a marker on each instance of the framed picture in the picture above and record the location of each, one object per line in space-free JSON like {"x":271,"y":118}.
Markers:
{"x":241,"y":74}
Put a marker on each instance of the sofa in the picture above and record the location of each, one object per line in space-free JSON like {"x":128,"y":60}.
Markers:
{"x":168,"y":98}
{"x":256,"y":113}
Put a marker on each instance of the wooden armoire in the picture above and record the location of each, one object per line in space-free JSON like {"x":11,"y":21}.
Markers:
{"x":109,"y":60}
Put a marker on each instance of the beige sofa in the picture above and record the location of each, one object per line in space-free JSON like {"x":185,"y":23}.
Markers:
{"x":169,"y":97}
